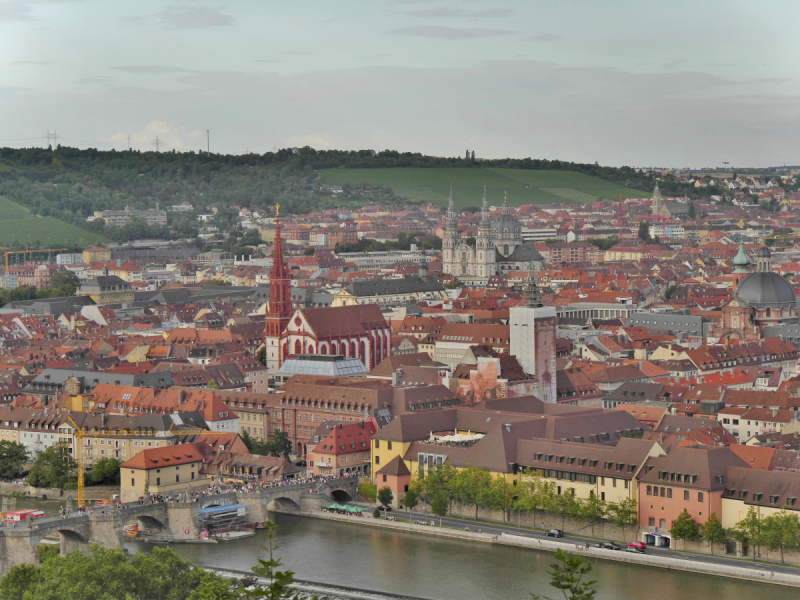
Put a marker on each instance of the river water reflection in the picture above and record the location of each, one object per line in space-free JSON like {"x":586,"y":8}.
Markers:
{"x":429,"y":567}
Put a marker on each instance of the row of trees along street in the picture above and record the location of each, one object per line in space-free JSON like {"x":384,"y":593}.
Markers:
{"x":474,"y":487}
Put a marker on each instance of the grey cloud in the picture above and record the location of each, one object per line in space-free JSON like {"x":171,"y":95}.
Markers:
{"x":673,"y":63}
{"x":490,"y":14}
{"x":267,"y":60}
{"x":436,"y":12}
{"x":31,"y":62}
{"x":543,"y":37}
{"x":16,"y":11}
{"x":296,"y":52}
{"x":459,"y":13}
{"x":97,"y":80}
{"x":150,"y":69}
{"x":183,"y":17}
{"x":194,"y":17}
{"x":450,"y":33}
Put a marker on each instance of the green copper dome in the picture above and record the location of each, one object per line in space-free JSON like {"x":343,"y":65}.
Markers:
{"x":741,"y":261}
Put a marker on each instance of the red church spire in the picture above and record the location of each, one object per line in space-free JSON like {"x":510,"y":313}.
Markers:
{"x":279,"y":308}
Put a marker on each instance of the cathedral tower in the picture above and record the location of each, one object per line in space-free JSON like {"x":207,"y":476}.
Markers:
{"x":279,"y":307}
{"x":451,"y":239}
{"x":657,"y":201}
{"x":484,"y":245}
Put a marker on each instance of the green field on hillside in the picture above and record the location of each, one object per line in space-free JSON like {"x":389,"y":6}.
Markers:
{"x":47,"y":232}
{"x":522,"y":186}
{"x":11,"y":210}
{"x":19,"y":228}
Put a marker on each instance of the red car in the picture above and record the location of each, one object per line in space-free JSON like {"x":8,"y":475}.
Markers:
{"x":637,"y":547}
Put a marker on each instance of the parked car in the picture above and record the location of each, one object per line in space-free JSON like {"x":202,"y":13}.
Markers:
{"x":639,"y":547}
{"x":607,"y":546}
{"x":556,"y":533}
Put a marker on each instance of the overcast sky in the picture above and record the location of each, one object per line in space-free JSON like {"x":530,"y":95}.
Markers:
{"x":641,"y":83}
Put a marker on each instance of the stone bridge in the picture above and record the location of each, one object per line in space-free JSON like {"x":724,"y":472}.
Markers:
{"x":174,"y":520}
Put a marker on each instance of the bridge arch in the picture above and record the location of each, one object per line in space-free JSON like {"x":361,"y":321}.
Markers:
{"x":150,"y":522}
{"x":283,"y":504}
{"x":74,"y":536}
{"x":341,"y":496}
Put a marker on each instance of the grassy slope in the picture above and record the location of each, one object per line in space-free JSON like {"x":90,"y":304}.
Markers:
{"x":47,"y":231}
{"x":433,"y":185}
{"x":18,"y":227}
{"x":11,"y":210}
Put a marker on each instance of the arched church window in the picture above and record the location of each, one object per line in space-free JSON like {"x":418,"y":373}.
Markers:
{"x":768,"y":313}
{"x":505,"y":249}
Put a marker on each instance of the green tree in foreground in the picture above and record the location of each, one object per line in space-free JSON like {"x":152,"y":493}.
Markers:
{"x":750,"y":530}
{"x":280,"y":444}
{"x":13,"y":457}
{"x":592,"y":510}
{"x":54,"y":468}
{"x":782,"y":532}
{"x":67,"y":281}
{"x":439,"y":505}
{"x":108,"y":574}
{"x":684,"y":527}
{"x":468,"y":485}
{"x":368,"y":490}
{"x":564,"y":505}
{"x":106,"y":471}
{"x":568,"y":576}
{"x":410,"y":499}
{"x":385,"y":496}
{"x":713,"y":531}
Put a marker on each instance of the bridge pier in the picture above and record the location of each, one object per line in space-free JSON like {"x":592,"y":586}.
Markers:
{"x":19,"y":548}
{"x":71,"y":542}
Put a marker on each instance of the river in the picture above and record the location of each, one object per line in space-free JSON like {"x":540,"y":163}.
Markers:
{"x":429,"y":567}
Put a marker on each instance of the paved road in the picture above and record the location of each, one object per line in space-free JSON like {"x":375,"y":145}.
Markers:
{"x":460,"y":523}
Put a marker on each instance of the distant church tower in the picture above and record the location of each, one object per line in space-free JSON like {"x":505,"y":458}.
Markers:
{"x":485,"y":250}
{"x":533,"y":342}
{"x":279,"y":308}
{"x":657,"y":201}
{"x":451,"y":240}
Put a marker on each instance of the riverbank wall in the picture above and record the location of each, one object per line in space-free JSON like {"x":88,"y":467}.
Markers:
{"x":682,"y":563}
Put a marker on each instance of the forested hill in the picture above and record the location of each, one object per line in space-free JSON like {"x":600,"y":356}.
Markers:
{"x":70,"y":184}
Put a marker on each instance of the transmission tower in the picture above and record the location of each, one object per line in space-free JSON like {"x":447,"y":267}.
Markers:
{"x":51,"y":136}
{"x":156,"y":142}
{"x":129,"y":142}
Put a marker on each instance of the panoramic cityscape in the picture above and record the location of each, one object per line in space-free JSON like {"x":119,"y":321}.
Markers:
{"x":413,"y":300}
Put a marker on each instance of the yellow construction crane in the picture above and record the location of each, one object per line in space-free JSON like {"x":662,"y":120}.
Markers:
{"x":82,"y":433}
{"x":26,"y":251}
